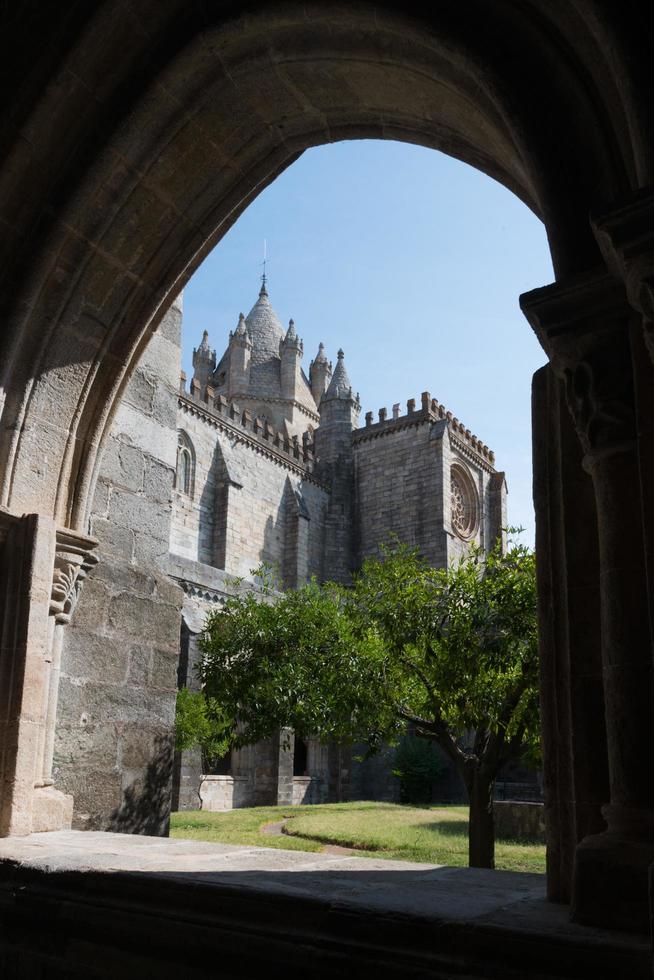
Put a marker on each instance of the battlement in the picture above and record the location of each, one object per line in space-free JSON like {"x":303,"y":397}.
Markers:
{"x":430,"y":410}
{"x":298,"y":452}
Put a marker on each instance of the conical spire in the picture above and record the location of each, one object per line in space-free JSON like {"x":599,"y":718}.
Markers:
{"x":240,"y":337}
{"x":320,"y":357}
{"x":204,"y":360}
{"x":340,"y":386}
{"x":261,"y":367}
{"x":320,"y":371}
{"x":291,"y":339}
{"x":203,"y":351}
{"x":264,"y":327}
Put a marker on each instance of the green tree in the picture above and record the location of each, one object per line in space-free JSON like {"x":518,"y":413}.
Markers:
{"x":201,"y":721}
{"x":452,"y":651}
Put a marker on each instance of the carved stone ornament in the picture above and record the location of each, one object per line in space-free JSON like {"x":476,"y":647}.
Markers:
{"x":463,"y":503}
{"x":625,"y":235}
{"x":74,"y":558}
{"x":583,"y":325}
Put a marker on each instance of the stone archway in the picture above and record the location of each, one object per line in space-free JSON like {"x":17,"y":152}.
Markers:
{"x":136,"y":142}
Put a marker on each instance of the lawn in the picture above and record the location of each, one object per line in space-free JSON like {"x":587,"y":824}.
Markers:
{"x":435,"y":834}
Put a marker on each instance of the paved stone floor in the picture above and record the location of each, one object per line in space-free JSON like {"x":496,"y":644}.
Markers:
{"x":323,"y":889}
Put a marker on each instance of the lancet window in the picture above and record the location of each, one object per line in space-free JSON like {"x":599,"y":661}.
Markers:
{"x":185,"y":470}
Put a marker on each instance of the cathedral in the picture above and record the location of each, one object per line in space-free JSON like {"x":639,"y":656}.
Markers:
{"x":273,"y":467}
{"x":134,"y":135}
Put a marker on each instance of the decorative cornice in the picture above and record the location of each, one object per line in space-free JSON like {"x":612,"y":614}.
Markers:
{"x":466,"y":450}
{"x":196,"y":591}
{"x":287,"y":453}
{"x":567,"y":316}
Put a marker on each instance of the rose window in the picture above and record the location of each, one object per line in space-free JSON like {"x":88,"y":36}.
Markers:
{"x":463,"y":504}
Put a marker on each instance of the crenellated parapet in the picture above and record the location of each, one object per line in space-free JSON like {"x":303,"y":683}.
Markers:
{"x":430,"y":411}
{"x":293,"y":450}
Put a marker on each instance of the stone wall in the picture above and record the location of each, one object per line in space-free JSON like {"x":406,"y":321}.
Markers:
{"x":519,"y":820}
{"x":402,"y":483}
{"x":219,"y":793}
{"x":248,"y":498}
{"x":113,"y":747}
{"x":372,"y":778}
{"x":309,"y":790}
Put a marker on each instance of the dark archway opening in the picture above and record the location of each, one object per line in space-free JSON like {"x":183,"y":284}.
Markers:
{"x":530,"y":96}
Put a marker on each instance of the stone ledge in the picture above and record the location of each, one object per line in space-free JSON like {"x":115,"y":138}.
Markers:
{"x":111,"y":904}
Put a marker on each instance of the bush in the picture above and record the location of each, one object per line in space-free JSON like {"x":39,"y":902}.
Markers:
{"x":417,"y":765}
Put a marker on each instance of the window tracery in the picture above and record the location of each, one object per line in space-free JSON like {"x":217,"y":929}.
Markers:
{"x":463,"y":503}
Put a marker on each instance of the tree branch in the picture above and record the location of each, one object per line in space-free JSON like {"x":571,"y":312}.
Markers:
{"x":438,"y":730}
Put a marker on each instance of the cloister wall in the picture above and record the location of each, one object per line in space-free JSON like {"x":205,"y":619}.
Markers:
{"x":120,"y":655}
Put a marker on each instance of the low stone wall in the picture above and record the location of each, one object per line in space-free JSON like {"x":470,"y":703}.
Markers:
{"x":519,"y":821}
{"x":309,"y":789}
{"x":225,"y":792}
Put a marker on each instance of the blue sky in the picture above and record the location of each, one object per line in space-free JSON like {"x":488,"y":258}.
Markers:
{"x":410,"y":261}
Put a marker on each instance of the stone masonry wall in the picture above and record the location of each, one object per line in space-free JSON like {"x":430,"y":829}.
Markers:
{"x":402,"y":483}
{"x":113,"y":748}
{"x":399,"y":489}
{"x":244,"y":503}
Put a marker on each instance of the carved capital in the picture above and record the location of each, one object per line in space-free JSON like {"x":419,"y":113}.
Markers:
{"x":74,"y":558}
{"x":625,"y":236}
{"x":583,"y":326}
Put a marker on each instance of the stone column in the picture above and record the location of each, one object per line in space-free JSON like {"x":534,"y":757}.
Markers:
{"x":73,"y":559}
{"x":585,"y":327}
{"x":285,"y":767}
{"x":26,"y":559}
{"x":626,"y":238}
{"x":41,"y":570}
{"x":571,"y":690}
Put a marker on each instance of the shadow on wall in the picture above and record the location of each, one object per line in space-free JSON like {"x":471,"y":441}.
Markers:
{"x":272,"y":545}
{"x":213,"y":503}
{"x":145,"y":808}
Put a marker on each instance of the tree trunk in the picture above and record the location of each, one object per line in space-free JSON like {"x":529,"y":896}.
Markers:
{"x":481,"y":832}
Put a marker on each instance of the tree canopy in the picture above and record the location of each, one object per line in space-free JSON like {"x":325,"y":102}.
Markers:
{"x":452,"y":652}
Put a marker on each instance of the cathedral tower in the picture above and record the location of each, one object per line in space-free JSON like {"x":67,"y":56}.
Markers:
{"x":240,"y":350}
{"x":292,"y":350}
{"x":339,"y":415}
{"x":204,"y":362}
{"x":320,"y":373}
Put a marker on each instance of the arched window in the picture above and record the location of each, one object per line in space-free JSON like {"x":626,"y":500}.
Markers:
{"x":185,"y":471}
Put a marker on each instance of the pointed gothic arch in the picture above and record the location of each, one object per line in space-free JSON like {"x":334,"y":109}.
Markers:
{"x":185,"y":465}
{"x":113,"y":194}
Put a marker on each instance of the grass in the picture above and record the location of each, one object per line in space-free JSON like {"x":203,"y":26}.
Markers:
{"x":434,"y":834}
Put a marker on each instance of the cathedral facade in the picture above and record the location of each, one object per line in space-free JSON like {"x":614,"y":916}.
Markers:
{"x":274,"y":467}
